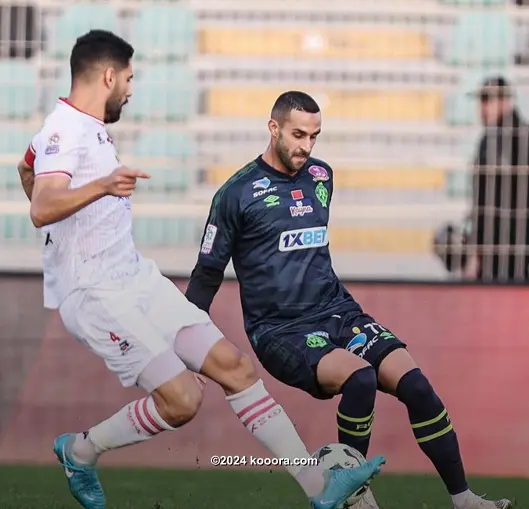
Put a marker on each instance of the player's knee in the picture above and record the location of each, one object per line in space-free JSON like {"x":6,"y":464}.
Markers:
{"x":183,"y":408}
{"x":336,"y":368}
{"x":414,"y":388}
{"x":241,"y":373}
{"x":179,"y":401}
{"x":362,"y":381}
{"x":233,"y":370}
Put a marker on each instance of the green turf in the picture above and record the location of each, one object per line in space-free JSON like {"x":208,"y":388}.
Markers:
{"x":45,"y":488}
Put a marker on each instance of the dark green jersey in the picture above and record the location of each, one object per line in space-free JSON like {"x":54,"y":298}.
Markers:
{"x":274,"y":227}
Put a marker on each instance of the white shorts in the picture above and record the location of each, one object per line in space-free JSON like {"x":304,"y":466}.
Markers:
{"x":139,"y":324}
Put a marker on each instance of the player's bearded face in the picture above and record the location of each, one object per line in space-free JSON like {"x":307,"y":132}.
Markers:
{"x":291,"y":156}
{"x":296,"y":139}
{"x":119,"y":97}
{"x":114,"y":106}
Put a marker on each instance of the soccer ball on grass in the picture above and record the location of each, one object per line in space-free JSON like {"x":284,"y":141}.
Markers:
{"x":338,"y":456}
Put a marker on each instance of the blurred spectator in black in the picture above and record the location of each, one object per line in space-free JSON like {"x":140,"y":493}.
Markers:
{"x":494,"y":246}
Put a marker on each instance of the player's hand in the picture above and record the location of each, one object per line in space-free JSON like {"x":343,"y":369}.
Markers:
{"x":122,"y":181}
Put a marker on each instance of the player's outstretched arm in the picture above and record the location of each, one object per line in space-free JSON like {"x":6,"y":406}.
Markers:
{"x":53,"y":200}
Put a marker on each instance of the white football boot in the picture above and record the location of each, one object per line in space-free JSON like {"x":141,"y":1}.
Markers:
{"x":367,"y":501}
{"x":473,"y":501}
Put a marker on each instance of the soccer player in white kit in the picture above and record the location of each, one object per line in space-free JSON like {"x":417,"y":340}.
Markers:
{"x":118,"y":304}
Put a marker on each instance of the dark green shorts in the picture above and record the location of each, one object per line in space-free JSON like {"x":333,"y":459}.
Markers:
{"x":292,"y":354}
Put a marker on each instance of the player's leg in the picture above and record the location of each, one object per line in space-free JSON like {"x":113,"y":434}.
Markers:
{"x":308,"y":361}
{"x":203,"y":348}
{"x":338,"y":374}
{"x":116,"y":329}
{"x":168,"y":407}
{"x":173,"y":398}
{"x":356,"y":412}
{"x":400,"y":376}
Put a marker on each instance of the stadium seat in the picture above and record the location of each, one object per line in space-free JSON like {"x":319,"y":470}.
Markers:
{"x":468,"y":147}
{"x":459,"y":184}
{"x":166,"y":180}
{"x":164,"y":31}
{"x":217,"y":175}
{"x":461,"y":108}
{"x":482,"y":38}
{"x":9,"y":177}
{"x":380,"y":240}
{"x":358,"y":44}
{"x":357,"y":177}
{"x":19,"y":91}
{"x":164,"y":144}
{"x":384,"y":106}
{"x":17,"y":227}
{"x":76,"y":20}
{"x":522,"y":101}
{"x":164,"y":92}
{"x":397,"y":178}
{"x":62,"y":86}
{"x":163,"y":231}
{"x":14,"y":142}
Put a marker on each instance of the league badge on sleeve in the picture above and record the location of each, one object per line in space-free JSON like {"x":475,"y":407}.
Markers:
{"x":53,"y":145}
{"x":209,"y":239}
{"x":319,"y":174}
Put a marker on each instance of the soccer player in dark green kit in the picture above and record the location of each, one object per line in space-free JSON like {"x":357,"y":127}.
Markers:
{"x":271,"y":218}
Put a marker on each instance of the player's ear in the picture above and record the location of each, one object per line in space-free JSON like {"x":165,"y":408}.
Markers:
{"x":273,"y":127}
{"x":110,"y":77}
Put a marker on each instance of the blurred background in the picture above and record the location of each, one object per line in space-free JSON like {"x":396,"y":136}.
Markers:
{"x":393,"y":79}
{"x":424,"y":105}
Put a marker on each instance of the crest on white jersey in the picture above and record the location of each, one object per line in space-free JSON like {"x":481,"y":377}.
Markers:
{"x":53,"y":144}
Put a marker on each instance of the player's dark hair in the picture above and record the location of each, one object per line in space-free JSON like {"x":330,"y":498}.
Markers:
{"x":293,"y":100}
{"x":99,"y":46}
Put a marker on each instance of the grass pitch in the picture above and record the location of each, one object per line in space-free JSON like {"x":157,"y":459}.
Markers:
{"x":45,"y":488}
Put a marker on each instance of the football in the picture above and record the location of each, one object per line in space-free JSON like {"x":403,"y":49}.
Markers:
{"x":338,"y":456}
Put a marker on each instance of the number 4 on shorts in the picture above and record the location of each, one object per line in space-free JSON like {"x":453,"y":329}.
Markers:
{"x":124,"y":346}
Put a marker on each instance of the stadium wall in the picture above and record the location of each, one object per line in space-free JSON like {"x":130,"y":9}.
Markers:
{"x":471,"y":341}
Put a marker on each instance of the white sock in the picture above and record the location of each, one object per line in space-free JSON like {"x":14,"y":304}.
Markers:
{"x":461,"y":499}
{"x":269,"y":423}
{"x":136,"y":422}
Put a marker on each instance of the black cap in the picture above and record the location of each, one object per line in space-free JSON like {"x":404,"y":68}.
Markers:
{"x":496,"y":86}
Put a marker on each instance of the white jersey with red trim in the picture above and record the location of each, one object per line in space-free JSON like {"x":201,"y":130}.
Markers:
{"x":93,"y":247}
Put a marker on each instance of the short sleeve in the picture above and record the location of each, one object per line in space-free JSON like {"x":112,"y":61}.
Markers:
{"x":221,"y":230}
{"x":29,"y":156}
{"x":57,"y":151}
